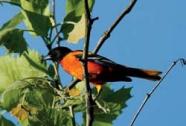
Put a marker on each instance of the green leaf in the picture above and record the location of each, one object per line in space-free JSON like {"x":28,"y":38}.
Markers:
{"x":13,"y":22}
{"x":115,"y":102}
{"x":32,"y":93}
{"x":71,"y":17}
{"x":66,"y":28}
{"x":16,"y":68}
{"x":51,"y":71}
{"x":78,"y":31}
{"x":37,"y":24}
{"x":27,"y":97}
{"x":37,"y":16}
{"x":73,"y":27}
{"x":51,"y":117}
{"x":13,"y":40}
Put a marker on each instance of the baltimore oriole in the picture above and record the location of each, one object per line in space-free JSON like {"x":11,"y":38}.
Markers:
{"x":100,"y":69}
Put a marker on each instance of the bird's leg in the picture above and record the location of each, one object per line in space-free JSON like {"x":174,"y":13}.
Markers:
{"x":73,"y":83}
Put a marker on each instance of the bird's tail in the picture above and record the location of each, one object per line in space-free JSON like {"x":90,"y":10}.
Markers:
{"x":146,"y":74}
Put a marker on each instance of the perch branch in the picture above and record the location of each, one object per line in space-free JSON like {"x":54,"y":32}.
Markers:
{"x":88,"y":97}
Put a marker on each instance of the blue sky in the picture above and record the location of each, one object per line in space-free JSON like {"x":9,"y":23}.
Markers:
{"x":152,"y":36}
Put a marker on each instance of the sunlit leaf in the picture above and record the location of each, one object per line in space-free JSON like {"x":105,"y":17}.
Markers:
{"x":78,"y":31}
{"x":16,"y":68}
{"x":73,"y":27}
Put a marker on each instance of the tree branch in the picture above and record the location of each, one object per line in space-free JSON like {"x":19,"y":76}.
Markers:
{"x":89,"y":100}
{"x":107,"y":34}
{"x":148,"y":95}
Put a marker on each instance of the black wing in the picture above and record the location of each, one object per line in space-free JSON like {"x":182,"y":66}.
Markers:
{"x":98,"y":59}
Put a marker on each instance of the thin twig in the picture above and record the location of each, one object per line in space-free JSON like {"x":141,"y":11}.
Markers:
{"x":106,"y":35}
{"x":72,"y":115}
{"x":89,"y":99}
{"x":148,"y":95}
{"x":46,"y":41}
{"x":56,"y":36}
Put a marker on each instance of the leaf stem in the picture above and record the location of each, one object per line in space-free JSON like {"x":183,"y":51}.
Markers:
{"x":148,"y":95}
{"x":108,"y":32}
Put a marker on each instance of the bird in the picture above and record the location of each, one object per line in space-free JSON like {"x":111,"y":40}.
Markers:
{"x":100,"y":69}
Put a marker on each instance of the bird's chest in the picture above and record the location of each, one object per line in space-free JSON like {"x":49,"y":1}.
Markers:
{"x":74,"y":67}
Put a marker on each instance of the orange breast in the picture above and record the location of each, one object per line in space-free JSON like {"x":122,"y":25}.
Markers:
{"x":73,"y":66}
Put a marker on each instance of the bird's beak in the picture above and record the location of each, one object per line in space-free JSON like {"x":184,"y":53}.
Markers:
{"x":48,"y":57}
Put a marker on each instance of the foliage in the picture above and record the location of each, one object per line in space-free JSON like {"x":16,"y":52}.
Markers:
{"x":74,"y":21}
{"x":27,"y":84}
{"x":14,"y":68}
{"x":114,"y":101}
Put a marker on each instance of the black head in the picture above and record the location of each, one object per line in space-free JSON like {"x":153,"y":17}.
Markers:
{"x":57,"y":53}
